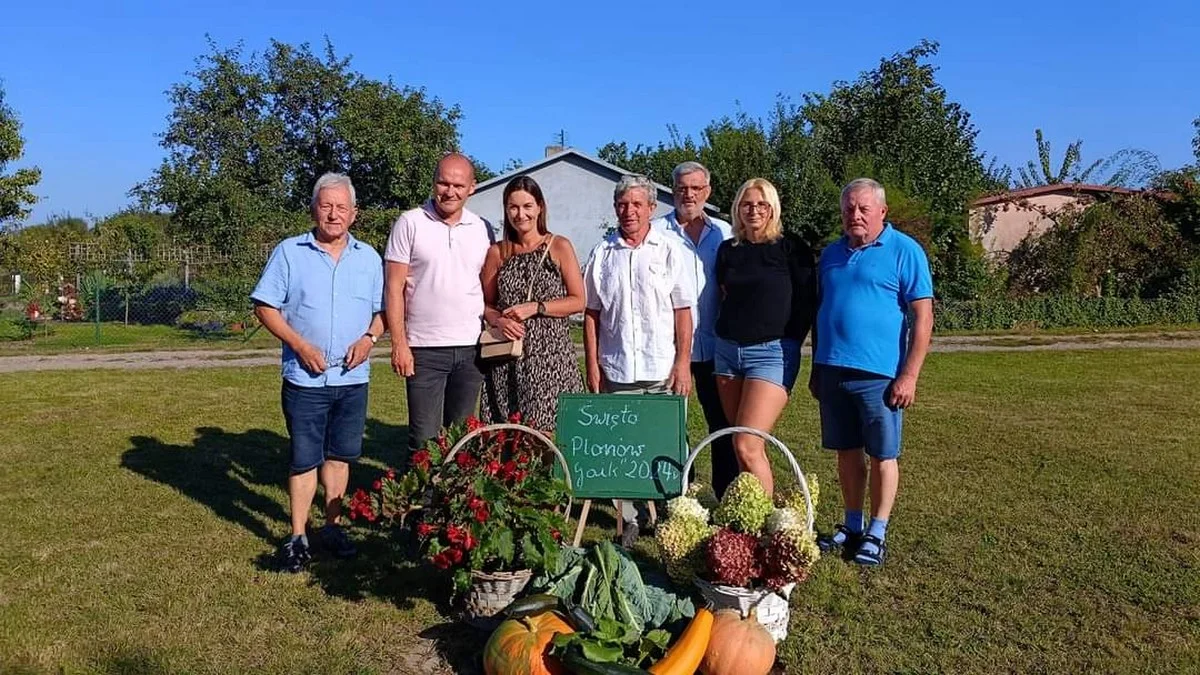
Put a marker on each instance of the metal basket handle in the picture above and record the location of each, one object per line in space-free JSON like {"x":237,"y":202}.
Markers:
{"x":765,"y":436}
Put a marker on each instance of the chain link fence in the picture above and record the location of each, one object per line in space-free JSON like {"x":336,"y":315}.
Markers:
{"x":168,"y":297}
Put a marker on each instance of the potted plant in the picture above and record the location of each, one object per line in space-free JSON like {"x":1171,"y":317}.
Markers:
{"x":483,"y":504}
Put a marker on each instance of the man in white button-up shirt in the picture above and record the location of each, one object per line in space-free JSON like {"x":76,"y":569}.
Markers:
{"x":637,"y":329}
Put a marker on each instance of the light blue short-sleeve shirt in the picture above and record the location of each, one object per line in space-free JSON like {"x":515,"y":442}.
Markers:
{"x":862,"y":318}
{"x":704,"y":278}
{"x":330,"y":304}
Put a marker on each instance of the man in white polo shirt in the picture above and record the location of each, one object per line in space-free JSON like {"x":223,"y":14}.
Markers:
{"x":434,"y":301}
{"x":637,"y":328}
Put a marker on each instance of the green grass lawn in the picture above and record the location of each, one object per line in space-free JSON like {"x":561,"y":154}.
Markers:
{"x":1048,"y":521}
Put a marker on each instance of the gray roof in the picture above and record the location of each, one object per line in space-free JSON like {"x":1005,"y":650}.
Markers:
{"x":563,"y":154}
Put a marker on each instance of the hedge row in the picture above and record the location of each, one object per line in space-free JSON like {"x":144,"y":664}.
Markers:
{"x":1065,"y":312}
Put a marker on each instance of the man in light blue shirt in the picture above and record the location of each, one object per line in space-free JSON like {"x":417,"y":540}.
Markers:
{"x":700,"y":235}
{"x":321,"y":294}
{"x":874,"y":321}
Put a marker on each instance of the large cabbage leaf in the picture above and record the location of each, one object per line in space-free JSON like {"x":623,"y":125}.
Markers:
{"x":606,"y":582}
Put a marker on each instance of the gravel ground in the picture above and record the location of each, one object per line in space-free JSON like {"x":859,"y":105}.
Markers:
{"x":267,"y":357}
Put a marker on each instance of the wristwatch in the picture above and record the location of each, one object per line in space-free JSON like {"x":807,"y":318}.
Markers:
{"x":373,"y":338}
{"x":541,"y":309}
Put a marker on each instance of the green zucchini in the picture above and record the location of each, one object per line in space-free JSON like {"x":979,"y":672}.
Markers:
{"x":531,"y":605}
{"x":578,"y":617}
{"x":576,"y":663}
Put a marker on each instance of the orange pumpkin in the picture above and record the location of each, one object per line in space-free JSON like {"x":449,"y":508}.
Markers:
{"x":522,"y":646}
{"x":738,"y":646}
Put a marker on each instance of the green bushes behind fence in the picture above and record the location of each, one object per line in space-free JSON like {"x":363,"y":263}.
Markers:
{"x":1066,"y":312}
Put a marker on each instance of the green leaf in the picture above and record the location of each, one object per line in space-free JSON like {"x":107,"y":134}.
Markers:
{"x":601,"y":652}
{"x":504,"y":546}
{"x":529,"y":551}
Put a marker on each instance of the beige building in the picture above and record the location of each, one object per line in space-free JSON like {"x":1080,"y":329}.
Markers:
{"x":1000,"y":222}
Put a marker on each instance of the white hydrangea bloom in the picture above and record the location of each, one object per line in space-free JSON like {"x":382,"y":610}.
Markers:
{"x":783,"y":519}
{"x":686,"y":507}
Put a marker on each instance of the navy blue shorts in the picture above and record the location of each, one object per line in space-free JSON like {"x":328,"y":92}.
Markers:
{"x":855,"y":413}
{"x":324,"y":422}
{"x":775,"y":361}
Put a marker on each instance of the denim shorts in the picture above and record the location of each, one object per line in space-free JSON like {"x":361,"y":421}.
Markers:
{"x":324,"y":422}
{"x":855,"y":413}
{"x":776,"y":361}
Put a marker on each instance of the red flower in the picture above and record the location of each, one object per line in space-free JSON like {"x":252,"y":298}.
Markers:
{"x":443,"y":443}
{"x":421,"y":459}
{"x":473,"y":423}
{"x":441,"y":560}
{"x":515,"y":418}
{"x":425,"y":529}
{"x":556,"y":534}
{"x":456,"y":534}
{"x":463,"y":460}
{"x":469,"y":542}
{"x":493,"y":467}
{"x":377,"y":485}
{"x":455,"y":555}
{"x":481,"y":514}
{"x":391,"y":474}
{"x":475,"y":503}
{"x":519,"y":476}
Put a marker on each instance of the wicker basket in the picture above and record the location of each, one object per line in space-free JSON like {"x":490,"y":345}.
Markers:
{"x":771,"y":608}
{"x":491,"y":592}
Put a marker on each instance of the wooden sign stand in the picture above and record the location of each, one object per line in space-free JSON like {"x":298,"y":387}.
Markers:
{"x":587,"y":507}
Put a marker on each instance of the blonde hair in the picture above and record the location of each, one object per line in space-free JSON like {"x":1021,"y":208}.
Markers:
{"x":774,"y":228}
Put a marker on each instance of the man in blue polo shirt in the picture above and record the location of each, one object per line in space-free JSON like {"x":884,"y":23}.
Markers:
{"x":321,"y":294}
{"x":872,"y":332}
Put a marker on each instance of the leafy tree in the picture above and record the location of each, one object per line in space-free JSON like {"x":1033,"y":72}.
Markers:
{"x":894,"y":123}
{"x":656,"y":162}
{"x":16,"y":190}
{"x":249,"y":134}
{"x":1196,"y":140}
{"x":1128,"y":167}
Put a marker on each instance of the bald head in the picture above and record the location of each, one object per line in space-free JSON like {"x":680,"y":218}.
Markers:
{"x":453,"y":183}
{"x":455,"y":160}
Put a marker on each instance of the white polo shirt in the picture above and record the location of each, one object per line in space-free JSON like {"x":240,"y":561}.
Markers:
{"x":443,"y":298}
{"x":636,"y":291}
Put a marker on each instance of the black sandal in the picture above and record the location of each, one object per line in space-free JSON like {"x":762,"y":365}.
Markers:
{"x":870,"y":558}
{"x":828,"y":542}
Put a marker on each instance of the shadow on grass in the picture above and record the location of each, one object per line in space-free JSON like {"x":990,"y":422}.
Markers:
{"x":227,"y":471}
{"x":460,"y":646}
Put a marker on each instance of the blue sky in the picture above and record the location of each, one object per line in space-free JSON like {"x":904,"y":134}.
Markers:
{"x":88,"y":81}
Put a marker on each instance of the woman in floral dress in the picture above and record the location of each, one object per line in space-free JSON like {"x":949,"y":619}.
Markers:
{"x":531,"y":284}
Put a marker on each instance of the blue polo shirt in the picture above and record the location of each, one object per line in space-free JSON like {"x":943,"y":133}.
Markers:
{"x":329,"y":304}
{"x":862,"y":318}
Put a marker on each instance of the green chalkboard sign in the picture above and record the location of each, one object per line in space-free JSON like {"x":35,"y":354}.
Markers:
{"x":622,"y":446}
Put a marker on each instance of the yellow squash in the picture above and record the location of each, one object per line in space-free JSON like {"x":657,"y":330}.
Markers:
{"x":684,"y":656}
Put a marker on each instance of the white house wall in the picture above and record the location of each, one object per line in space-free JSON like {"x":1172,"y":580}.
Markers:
{"x":579,"y":201}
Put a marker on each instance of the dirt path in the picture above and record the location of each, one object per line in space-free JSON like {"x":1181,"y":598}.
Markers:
{"x":268,"y":357}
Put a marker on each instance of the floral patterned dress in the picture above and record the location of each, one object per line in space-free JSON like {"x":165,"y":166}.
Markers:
{"x":531,"y":385}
